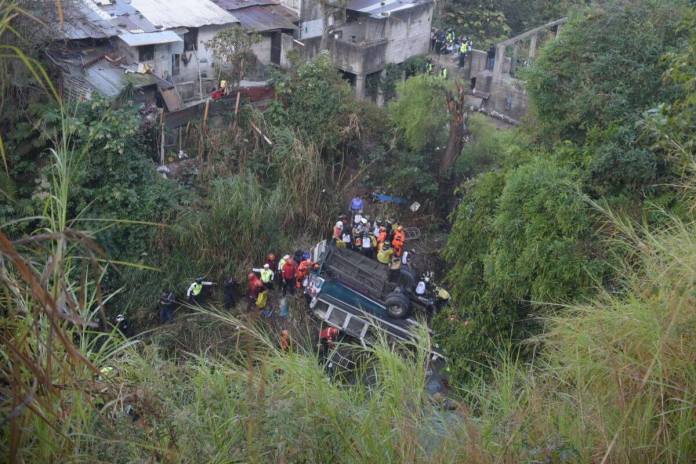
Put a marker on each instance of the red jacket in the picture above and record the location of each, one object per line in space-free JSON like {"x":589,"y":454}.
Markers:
{"x":289,"y":269}
{"x":255,"y":287}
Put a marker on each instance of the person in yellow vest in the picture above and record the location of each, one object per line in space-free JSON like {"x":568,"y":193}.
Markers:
{"x":384,"y":255}
{"x":267,"y":275}
{"x":463,"y":50}
{"x":443,"y":73}
{"x":195,"y":292}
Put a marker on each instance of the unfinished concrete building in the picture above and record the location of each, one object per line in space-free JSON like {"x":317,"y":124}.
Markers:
{"x":364,"y":36}
{"x":494,"y":79}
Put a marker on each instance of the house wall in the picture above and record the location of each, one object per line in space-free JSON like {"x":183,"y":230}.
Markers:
{"x":202,"y":58}
{"x":408,"y":33}
{"x":287,"y":44}
{"x":262,"y":50}
{"x":161,"y":63}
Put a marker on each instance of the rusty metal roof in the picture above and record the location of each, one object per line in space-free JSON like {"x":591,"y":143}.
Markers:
{"x":265,"y":18}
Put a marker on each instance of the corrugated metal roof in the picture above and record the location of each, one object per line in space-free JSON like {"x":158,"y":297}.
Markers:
{"x":264,"y":18}
{"x":382,"y":8}
{"x":149,"y":38}
{"x":109,"y":79}
{"x":84,"y":20}
{"x":183,"y":13}
{"x":231,"y":5}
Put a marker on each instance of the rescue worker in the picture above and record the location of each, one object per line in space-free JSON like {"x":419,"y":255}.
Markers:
{"x":443,"y":72}
{"x":381,"y":237}
{"x":289,"y":268}
{"x":229,"y":290}
{"x":337,"y":232}
{"x":463,"y":50}
{"x":302,"y":272}
{"x":195,"y":294}
{"x":255,"y":288}
{"x":346,"y":239}
{"x":272,"y":261}
{"x":385,"y":254}
{"x":326,"y":338}
{"x":266,"y":274}
{"x":279,"y":274}
{"x":399,"y":240}
{"x":356,"y":205}
{"x":167,"y":303}
{"x":367,"y":249}
{"x":429,"y":68}
{"x":284,"y":340}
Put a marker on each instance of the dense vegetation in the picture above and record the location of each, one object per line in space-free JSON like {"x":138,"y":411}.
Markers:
{"x":570,"y":259}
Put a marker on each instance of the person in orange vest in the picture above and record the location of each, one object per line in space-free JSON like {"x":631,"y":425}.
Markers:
{"x":399,"y":240}
{"x":302,"y":272}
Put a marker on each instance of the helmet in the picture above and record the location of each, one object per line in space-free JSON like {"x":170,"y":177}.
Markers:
{"x":251,"y":276}
{"x":286,"y":257}
{"x":400,"y":228}
{"x":363,"y":220}
{"x":120,"y":318}
{"x":199,"y":280}
{"x":266,"y":266}
{"x":339,"y":224}
{"x":357,"y":218}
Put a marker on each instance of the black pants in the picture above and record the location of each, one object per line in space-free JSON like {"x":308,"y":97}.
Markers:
{"x":229,"y":300}
{"x":288,"y":284}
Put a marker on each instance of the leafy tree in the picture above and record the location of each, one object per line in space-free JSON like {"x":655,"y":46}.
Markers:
{"x":603,"y":69}
{"x":519,"y":240}
{"x":420,"y":111}
{"x":232,"y":49}
{"x":316,"y":102}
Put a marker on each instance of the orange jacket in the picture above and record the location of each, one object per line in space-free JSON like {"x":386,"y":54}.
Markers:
{"x":399,"y":238}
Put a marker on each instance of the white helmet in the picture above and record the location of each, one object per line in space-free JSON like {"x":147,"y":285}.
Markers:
{"x":339,"y":224}
{"x":266,"y":266}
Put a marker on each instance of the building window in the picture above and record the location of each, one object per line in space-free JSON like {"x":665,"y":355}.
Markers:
{"x":191,"y":40}
{"x":176,"y":64}
{"x":146,"y":53}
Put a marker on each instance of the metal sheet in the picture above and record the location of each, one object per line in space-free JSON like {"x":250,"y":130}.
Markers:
{"x":231,"y":5}
{"x":170,"y":14}
{"x":382,"y":8}
{"x":262,"y":18}
{"x":150,"y":38}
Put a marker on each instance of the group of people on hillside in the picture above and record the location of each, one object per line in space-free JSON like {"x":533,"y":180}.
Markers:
{"x":444,"y":42}
{"x":383,"y":240}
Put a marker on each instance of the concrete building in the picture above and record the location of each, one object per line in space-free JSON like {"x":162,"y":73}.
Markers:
{"x":498,"y":91}
{"x":189,"y":64}
{"x":363,"y":36}
{"x":274,"y":23}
